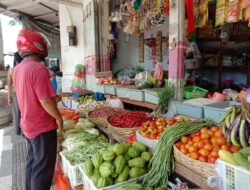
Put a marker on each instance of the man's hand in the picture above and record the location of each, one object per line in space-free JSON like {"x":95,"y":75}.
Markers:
{"x":59,"y":123}
{"x":10,"y":100}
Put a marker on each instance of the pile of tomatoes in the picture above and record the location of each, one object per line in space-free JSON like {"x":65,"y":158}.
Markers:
{"x":152,"y":129}
{"x":205,"y":144}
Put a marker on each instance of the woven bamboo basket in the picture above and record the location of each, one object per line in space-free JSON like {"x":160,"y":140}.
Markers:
{"x":201,"y":168}
{"x":124,"y":132}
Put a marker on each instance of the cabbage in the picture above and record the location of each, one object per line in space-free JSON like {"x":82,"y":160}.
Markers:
{"x":68,"y":124}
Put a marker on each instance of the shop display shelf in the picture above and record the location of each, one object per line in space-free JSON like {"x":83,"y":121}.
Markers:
{"x":216,"y":110}
{"x":89,"y":185}
{"x":110,"y":89}
{"x":100,"y":88}
{"x":135,"y":94}
{"x":151,"y":96}
{"x":192,"y":111}
{"x":232,"y":177}
{"x":122,"y":92}
{"x":72,"y":172}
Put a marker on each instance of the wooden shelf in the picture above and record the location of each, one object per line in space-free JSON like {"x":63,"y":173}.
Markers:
{"x":134,"y":102}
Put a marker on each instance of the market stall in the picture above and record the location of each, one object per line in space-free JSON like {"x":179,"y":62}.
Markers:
{"x":108,"y":145}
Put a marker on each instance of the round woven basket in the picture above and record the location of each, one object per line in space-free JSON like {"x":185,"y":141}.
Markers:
{"x":202,"y":168}
{"x":124,"y":132}
{"x":99,"y":121}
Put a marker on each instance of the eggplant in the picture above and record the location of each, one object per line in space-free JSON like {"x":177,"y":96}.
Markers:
{"x":244,"y":133}
{"x":235,"y":132}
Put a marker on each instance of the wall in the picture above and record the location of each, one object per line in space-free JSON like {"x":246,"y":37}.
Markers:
{"x":71,"y":55}
{"x":128,"y":52}
{"x":1,"y":44}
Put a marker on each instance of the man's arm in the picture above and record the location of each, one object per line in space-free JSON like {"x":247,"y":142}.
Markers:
{"x":49,"y":104}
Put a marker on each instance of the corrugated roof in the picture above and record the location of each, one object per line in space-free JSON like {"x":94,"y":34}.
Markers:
{"x":43,"y":10}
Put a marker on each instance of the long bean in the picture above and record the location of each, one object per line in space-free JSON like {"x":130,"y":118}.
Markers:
{"x":162,"y":163}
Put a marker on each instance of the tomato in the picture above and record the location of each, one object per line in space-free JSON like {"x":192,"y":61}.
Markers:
{"x":196,"y":139}
{"x":212,"y":160}
{"x":214,"y":153}
{"x":194,"y":155}
{"x":193,"y":149}
{"x":160,"y":130}
{"x":210,"y":133}
{"x":203,"y":130}
{"x":218,"y":134}
{"x":182,"y":146}
{"x":158,"y":137}
{"x":155,"y":131}
{"x":164,"y":122}
{"x":197,"y":134}
{"x":184,"y":140}
{"x":207,"y":141}
{"x":200,"y":144}
{"x":192,"y":135}
{"x":148,"y":136}
{"x":225,"y":147}
{"x":184,"y":151}
{"x":204,"y":152}
{"x":213,"y":141}
{"x":153,"y":136}
{"x":204,"y":135}
{"x":234,"y":149}
{"x":172,"y":121}
{"x":208,"y":147}
{"x":220,"y":141}
{"x":202,"y":158}
{"x":214,"y":128}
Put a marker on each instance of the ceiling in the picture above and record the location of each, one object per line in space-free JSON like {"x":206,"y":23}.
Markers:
{"x":40,"y":10}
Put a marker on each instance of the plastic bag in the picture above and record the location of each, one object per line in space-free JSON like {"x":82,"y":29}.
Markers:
{"x":60,"y":180}
{"x":233,"y":11}
{"x":147,"y":21}
{"x":135,"y":28}
{"x":115,"y":103}
{"x":128,"y":28}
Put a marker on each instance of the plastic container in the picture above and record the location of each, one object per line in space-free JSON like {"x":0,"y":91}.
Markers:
{"x":135,"y":94}
{"x":89,"y":185}
{"x":189,"y":110}
{"x":151,"y":96}
{"x":122,"y":92}
{"x":194,"y":92}
{"x":110,"y":90}
{"x":72,"y":172}
{"x":216,"y":110}
{"x":100,"y":88}
{"x":232,"y":177}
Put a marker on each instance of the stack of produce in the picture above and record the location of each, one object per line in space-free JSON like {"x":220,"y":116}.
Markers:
{"x":162,"y":162}
{"x":108,"y":81}
{"x":69,"y":114}
{"x":205,"y":144}
{"x":117,"y":163}
{"x":84,"y":99}
{"x":153,"y":128}
{"x":236,"y":125}
{"x":128,"y":120}
{"x":90,"y":106}
{"x":240,"y":158}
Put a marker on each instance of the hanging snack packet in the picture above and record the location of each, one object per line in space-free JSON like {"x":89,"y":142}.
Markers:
{"x":220,"y":3}
{"x":220,"y":15}
{"x":203,"y":16}
{"x":233,"y":11}
{"x":243,"y":4}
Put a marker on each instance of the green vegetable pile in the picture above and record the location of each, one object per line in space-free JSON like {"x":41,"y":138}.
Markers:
{"x":84,"y":99}
{"x":136,"y":186}
{"x":117,"y":163}
{"x":162,"y":161}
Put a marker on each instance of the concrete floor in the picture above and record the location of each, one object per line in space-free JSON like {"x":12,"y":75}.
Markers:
{"x":6,"y":158}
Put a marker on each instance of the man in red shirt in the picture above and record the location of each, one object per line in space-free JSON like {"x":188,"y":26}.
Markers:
{"x":39,"y":114}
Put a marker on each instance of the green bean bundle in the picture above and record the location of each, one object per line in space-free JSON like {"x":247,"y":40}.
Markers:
{"x":162,"y":163}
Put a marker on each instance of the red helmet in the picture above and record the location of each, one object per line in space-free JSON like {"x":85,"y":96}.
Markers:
{"x":31,"y":42}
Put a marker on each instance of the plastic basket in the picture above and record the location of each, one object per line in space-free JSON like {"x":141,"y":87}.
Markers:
{"x":135,"y":94}
{"x":232,"y":177}
{"x":151,"y":96}
{"x":123,"y":132}
{"x":194,"y":92}
{"x":72,"y":172}
{"x":122,"y":92}
{"x":217,"y":110}
{"x":109,"y":89}
{"x":150,"y":143}
{"x":89,"y":185}
{"x":204,"y":169}
{"x":100,"y":88}
{"x":189,"y":110}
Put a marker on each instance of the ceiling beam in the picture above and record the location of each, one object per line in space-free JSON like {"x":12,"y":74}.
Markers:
{"x":29,"y":3}
{"x":68,"y":2}
{"x":45,"y":15}
{"x":3,"y":6}
{"x":48,"y":7}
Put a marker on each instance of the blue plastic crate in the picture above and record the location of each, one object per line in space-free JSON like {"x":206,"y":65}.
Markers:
{"x":216,"y":110}
{"x":189,"y":110}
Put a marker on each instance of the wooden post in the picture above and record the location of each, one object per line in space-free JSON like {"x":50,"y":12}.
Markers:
{"x":176,"y":46}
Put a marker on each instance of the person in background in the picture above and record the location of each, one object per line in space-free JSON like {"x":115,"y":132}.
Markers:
{"x":53,"y":72}
{"x":12,"y":99}
{"x":40,"y":117}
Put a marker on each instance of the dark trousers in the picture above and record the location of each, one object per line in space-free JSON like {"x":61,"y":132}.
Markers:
{"x":16,"y":114}
{"x":41,"y":159}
